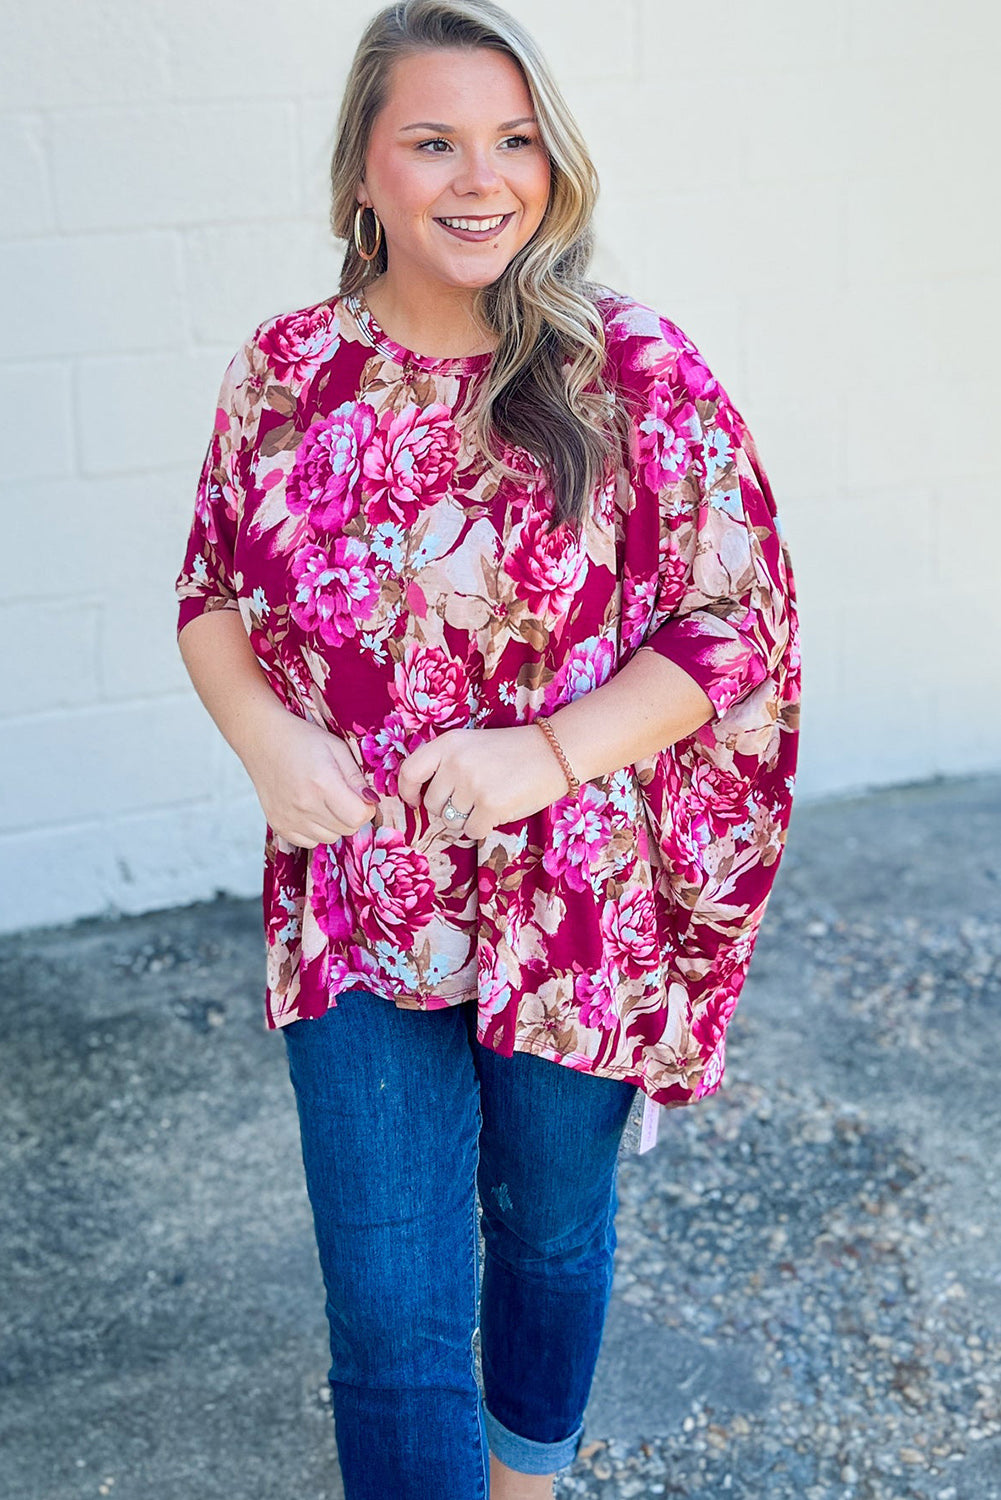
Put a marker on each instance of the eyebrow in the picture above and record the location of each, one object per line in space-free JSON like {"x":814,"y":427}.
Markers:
{"x":450,"y":129}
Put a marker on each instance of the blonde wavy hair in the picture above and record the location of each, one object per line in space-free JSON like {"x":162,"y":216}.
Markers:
{"x":543,"y":391}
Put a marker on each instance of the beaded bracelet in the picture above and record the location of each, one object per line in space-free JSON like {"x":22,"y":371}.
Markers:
{"x":550,"y":734}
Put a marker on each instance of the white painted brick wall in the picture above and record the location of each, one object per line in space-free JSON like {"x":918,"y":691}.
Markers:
{"x":67,"y":296}
{"x":806,"y":190}
{"x":171,"y":164}
{"x":132,"y":409}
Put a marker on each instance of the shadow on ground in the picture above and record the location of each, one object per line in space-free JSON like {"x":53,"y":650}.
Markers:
{"x":808,"y":1276}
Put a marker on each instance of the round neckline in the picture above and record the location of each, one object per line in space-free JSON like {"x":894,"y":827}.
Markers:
{"x":380,"y":339}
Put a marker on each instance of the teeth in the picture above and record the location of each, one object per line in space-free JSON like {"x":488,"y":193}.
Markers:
{"x":475,"y":223}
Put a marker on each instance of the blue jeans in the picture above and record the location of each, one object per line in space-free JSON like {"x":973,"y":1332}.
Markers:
{"x":404,"y":1117}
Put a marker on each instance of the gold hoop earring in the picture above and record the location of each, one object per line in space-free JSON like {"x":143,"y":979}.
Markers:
{"x":367,"y":254}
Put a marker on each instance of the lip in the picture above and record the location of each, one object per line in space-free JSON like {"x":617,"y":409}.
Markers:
{"x":476,"y":236}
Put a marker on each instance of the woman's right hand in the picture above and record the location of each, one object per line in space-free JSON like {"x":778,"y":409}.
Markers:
{"x":308,"y":783}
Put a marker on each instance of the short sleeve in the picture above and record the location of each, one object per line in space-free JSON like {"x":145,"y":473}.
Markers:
{"x":207,"y":578}
{"x":721,"y":602}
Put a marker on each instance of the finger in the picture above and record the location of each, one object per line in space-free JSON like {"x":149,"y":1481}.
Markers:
{"x":345,"y":808}
{"x":308,"y":835}
{"x":415,"y":769}
{"x":342,"y":798}
{"x":459,"y":829}
{"x":333,"y":833}
{"x":331,"y":813}
{"x":350,"y":777}
{"x":437,"y":792}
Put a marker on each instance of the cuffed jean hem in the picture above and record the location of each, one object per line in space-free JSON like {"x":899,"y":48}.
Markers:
{"x":528,"y":1457}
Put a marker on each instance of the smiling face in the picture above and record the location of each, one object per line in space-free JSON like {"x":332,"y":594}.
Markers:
{"x":455,"y":140}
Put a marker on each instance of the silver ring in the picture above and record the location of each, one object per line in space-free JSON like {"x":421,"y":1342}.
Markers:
{"x":451,"y":812}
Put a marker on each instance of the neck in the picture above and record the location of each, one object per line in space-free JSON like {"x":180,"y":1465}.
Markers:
{"x":432,"y":319}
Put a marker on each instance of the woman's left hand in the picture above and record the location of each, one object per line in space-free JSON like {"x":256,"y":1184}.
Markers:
{"x":496,"y":775}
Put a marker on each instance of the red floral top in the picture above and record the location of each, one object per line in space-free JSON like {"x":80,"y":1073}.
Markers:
{"x":394,"y":587}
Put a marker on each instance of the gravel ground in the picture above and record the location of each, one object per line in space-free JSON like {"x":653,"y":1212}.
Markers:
{"x":808,"y":1284}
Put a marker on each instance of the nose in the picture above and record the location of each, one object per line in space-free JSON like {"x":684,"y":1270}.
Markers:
{"x":477,"y":172}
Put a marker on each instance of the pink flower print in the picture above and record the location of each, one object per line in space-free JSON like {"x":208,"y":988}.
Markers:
{"x":664,"y":437}
{"x":695,"y":376}
{"x":517,"y":894}
{"x":410,"y":462}
{"x":731,"y":963}
{"x":391,"y":884}
{"x":547,"y":569}
{"x":323,"y":481}
{"x":722,"y":795}
{"x":333,"y":590}
{"x":638,"y":596}
{"x":595,"y":994}
{"x":629,"y":927}
{"x":493,"y":985}
{"x":330,"y":895}
{"x":335,"y":972}
{"x":581,"y":829}
{"x":709,"y":1027}
{"x":431,"y":689}
{"x":672,"y":581}
{"x":589,"y":664}
{"x":284,"y":910}
{"x":791,"y":687}
{"x":712,"y":1076}
{"x":523,"y":463}
{"x":212,"y":502}
{"x":745,"y":669}
{"x":604,"y":507}
{"x":295,"y":346}
{"x":690,"y":831}
{"x":384,"y":750}
{"x":683,"y":844}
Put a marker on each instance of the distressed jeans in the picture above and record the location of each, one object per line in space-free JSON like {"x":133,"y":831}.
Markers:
{"x":411,"y":1129}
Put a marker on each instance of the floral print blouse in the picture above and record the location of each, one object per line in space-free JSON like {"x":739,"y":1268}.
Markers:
{"x":393,"y":586}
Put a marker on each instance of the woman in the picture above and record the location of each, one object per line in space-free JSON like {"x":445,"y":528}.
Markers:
{"x":485,"y":588}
